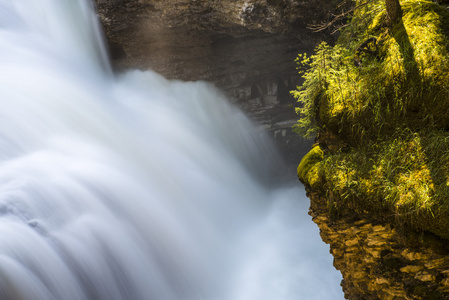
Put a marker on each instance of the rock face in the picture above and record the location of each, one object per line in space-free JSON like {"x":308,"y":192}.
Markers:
{"x":246,"y":48}
{"x":379,"y":263}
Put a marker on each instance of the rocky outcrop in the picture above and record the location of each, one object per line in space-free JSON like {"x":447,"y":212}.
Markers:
{"x":246,"y":48}
{"x":378,"y":262}
{"x":378,"y":178}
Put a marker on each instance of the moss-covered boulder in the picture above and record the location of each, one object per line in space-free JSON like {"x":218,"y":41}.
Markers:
{"x":309,"y":167}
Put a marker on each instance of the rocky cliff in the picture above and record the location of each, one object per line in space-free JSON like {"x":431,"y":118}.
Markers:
{"x":378,"y":175}
{"x":246,"y":48}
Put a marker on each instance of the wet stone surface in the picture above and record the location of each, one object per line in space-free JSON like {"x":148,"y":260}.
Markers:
{"x":379,"y":263}
{"x":245,"y":48}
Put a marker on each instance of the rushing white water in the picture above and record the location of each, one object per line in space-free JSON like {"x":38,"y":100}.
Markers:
{"x":132,"y":186}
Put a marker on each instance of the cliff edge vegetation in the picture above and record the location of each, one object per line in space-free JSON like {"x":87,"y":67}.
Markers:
{"x":378,"y":102}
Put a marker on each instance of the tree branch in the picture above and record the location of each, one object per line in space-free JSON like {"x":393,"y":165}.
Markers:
{"x":323,"y":26}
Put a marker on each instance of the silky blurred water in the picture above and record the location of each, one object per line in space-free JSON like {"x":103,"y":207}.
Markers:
{"x":130,"y":186}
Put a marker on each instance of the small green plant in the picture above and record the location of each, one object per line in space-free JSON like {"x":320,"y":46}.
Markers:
{"x":311,"y":94}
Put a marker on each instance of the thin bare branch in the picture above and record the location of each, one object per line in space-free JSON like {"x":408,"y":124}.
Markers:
{"x":323,"y":26}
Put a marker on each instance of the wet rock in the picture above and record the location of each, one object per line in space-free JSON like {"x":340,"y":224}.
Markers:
{"x":379,"y":263}
{"x":246,"y":48}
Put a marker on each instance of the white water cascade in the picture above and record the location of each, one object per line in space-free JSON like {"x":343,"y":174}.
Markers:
{"x":129,"y":186}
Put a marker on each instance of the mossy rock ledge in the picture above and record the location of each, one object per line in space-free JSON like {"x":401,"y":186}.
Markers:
{"x":380,"y":115}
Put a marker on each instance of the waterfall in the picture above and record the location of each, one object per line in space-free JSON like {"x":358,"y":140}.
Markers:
{"x":130,"y":186}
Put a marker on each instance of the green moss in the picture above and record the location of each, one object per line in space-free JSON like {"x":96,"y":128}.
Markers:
{"x":391,"y":112}
{"x":309,"y":167}
{"x":404,"y":82}
{"x":404,"y":178}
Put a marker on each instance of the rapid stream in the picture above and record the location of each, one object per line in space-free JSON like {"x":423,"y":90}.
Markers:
{"x":130,"y":186}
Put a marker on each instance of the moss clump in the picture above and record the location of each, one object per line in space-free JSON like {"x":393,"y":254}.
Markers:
{"x":390,"y":108}
{"x":405,"y":81}
{"x":309,"y":167}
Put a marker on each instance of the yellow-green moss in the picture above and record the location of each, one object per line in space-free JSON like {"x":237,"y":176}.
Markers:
{"x":309,"y":167}
{"x":392,"y":112}
{"x":406,"y":81}
{"x":405,"y":179}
